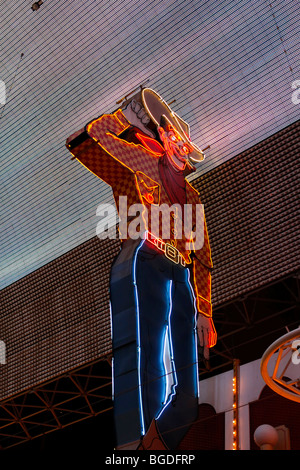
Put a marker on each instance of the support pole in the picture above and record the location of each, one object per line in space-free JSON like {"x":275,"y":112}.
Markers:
{"x":235,"y":405}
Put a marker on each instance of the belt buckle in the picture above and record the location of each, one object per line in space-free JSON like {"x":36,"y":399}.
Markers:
{"x":170,"y":251}
{"x":173,"y":254}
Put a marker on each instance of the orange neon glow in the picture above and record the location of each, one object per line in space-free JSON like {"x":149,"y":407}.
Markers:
{"x":183,"y":152}
{"x":149,"y":198}
{"x":209,"y":260}
{"x":212,"y":337}
{"x":151,"y":144}
{"x":235,"y":386}
{"x":147,"y":188}
{"x":177,"y":138}
{"x":149,"y":191}
{"x":203,"y":303}
{"x":115,"y":158}
{"x":125,"y":145}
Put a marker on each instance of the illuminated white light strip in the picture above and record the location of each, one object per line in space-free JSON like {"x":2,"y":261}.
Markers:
{"x":195,"y":332}
{"x":142,"y":422}
{"x":112,"y":359}
{"x":167,"y":363}
{"x":167,"y":336}
{"x":112,"y":382}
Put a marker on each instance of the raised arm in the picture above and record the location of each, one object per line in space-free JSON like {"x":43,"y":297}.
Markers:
{"x":93,"y":157}
{"x":107,"y":131}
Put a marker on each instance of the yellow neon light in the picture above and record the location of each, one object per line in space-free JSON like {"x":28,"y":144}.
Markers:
{"x":169,"y":250}
{"x":235,"y":405}
{"x":148,"y":194}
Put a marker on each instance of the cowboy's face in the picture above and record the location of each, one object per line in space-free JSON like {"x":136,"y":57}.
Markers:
{"x":176,"y":149}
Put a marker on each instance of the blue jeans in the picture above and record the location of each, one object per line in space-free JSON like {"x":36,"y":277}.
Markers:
{"x":154,"y":345}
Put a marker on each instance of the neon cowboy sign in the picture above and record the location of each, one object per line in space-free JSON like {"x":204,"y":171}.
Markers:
{"x":160,"y":285}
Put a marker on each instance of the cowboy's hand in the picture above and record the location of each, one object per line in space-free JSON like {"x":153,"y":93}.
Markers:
{"x":206,"y":333}
{"x":137,"y":116}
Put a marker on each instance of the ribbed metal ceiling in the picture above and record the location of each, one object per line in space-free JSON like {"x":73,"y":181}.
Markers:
{"x":228,"y":64}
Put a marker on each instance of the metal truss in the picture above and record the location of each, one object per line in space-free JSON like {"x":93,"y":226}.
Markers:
{"x":72,"y":397}
{"x":247,"y":325}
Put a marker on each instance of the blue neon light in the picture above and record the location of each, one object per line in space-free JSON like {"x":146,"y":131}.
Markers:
{"x":170,"y":358}
{"x":195,"y":333}
{"x":142,"y":421}
{"x":112,"y":360}
{"x":167,"y":363}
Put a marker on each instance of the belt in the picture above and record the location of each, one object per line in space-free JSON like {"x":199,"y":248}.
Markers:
{"x":169,"y":250}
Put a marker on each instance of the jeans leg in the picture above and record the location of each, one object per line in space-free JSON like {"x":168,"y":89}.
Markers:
{"x":181,"y":411}
{"x":152,"y":301}
{"x":127,"y":416}
{"x":154,"y":304}
{"x":140,"y":306}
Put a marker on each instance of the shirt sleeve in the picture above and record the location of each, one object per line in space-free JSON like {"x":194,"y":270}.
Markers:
{"x":202,"y":265}
{"x":106,"y":131}
{"x":202,"y":287}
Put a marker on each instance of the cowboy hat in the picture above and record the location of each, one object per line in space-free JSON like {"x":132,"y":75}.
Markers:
{"x":160,"y":112}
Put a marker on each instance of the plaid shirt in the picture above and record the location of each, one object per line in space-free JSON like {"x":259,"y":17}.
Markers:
{"x":132,"y":171}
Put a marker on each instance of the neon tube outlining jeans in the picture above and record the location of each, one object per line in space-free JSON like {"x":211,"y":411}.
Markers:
{"x":154,"y":345}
